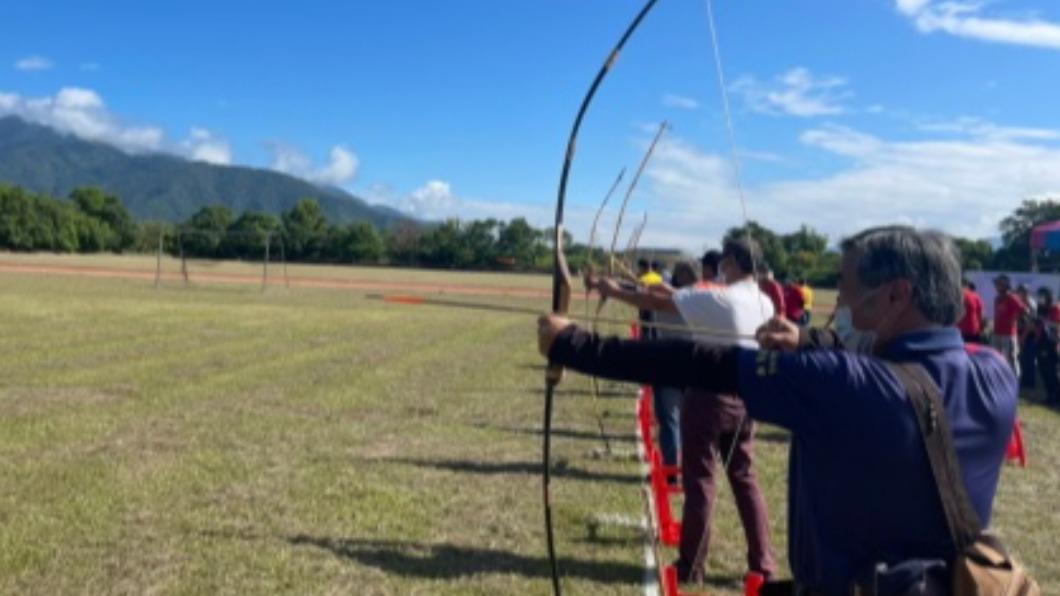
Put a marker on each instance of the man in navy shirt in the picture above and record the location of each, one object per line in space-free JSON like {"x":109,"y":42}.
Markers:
{"x":861,"y":494}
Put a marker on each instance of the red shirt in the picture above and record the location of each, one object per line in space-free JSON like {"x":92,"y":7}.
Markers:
{"x":1053,"y":316}
{"x":1007,"y":311}
{"x":971,"y":324}
{"x":794,"y":302}
{"x":771,"y":288}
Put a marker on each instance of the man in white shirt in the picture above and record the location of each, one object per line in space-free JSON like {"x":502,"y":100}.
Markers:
{"x":715,"y":426}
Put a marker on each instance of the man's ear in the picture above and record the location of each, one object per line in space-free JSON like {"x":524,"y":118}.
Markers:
{"x":901,"y":292}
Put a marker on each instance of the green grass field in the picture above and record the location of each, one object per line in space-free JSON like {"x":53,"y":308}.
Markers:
{"x":220,"y":439}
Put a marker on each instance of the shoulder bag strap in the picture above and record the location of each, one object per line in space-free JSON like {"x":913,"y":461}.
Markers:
{"x":926,"y":399}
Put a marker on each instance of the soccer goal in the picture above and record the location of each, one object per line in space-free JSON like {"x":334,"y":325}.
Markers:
{"x":187,"y":257}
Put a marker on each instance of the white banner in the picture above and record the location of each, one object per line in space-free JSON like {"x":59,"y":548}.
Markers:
{"x":984,"y":284}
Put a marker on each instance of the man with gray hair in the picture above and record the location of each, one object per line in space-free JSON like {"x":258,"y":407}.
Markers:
{"x":865,"y":512}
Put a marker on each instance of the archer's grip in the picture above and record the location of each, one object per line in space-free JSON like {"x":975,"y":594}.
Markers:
{"x":553,"y":374}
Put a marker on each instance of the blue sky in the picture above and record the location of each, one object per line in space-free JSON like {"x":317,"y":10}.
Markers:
{"x":847,"y":113}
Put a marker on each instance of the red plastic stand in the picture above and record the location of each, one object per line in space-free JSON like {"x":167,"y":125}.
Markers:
{"x":752,"y":583}
{"x":1016,"y":450}
{"x":669,"y":528}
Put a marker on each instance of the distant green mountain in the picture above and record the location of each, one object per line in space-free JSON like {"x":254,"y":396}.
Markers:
{"x":158,"y":186}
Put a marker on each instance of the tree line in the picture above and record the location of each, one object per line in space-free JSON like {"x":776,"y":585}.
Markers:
{"x":92,"y":220}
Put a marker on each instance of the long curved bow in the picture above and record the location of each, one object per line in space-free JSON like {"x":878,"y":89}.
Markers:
{"x":625,"y":203}
{"x":590,"y":265}
{"x":561,"y":282}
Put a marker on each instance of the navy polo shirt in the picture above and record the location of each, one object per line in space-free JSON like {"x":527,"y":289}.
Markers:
{"x":860,"y":488}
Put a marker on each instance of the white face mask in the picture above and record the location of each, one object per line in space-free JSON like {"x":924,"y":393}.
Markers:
{"x":854,"y":339}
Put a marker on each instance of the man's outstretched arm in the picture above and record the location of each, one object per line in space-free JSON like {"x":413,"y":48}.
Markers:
{"x":669,"y":362}
{"x":794,"y":391}
{"x":657,"y":297}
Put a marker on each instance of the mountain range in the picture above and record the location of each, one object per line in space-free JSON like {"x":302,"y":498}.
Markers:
{"x":158,"y":186}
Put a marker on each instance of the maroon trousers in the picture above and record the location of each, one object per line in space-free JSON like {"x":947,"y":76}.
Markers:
{"x":712,"y":427}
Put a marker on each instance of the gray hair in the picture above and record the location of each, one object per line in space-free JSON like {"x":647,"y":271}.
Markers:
{"x":927,"y":258}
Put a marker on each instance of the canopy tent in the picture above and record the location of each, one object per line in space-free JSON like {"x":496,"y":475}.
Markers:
{"x":1046,"y":236}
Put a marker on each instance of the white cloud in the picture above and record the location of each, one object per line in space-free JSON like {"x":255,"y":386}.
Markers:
{"x":341,"y":168}
{"x":841,"y":141}
{"x":963,"y":185}
{"x":204,"y":145}
{"x":979,"y":128}
{"x":435,"y":200}
{"x":680,"y":102}
{"x":82,"y":112}
{"x":34,"y":63}
{"x":965,"y":19}
{"x":912,"y":7}
{"x":434,"y":197}
{"x":796,"y":92}
{"x":74,"y":98}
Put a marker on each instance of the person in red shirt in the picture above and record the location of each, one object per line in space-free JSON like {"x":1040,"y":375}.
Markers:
{"x":794,"y":303}
{"x":971,"y":324}
{"x":1008,"y":308}
{"x":770,"y":287}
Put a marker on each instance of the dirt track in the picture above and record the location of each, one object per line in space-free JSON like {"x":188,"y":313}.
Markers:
{"x":298,"y":282}
{"x":302,"y":282}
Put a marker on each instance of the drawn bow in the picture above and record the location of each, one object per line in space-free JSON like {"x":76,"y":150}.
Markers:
{"x":561,"y":285}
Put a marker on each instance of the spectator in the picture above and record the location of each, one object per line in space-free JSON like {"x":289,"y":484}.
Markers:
{"x":794,"y":303}
{"x":770,"y":287}
{"x":1046,"y":336}
{"x":1008,"y":308}
{"x":971,"y":323}
{"x":1025,"y":330}
{"x":807,"y":293}
{"x":647,"y":277}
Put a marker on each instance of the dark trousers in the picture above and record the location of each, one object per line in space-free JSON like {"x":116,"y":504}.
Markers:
{"x":712,"y":427}
{"x":1047,"y":366}
{"x":1028,"y":358}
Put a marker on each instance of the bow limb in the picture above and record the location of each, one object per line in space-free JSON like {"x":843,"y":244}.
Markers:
{"x":633,"y":186}
{"x":560,"y":273}
{"x":634,"y":240}
{"x":625,"y":203}
{"x":596,"y":220}
{"x":594,"y":383}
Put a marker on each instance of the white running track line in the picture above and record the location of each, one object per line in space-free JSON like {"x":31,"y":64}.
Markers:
{"x":651,"y":564}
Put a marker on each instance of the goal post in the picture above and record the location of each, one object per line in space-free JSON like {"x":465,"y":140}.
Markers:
{"x":188,"y":257}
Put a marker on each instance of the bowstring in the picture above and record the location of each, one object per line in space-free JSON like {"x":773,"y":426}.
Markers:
{"x":737,"y":179}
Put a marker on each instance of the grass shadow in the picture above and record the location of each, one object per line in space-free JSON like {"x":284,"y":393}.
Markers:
{"x":449,"y":562}
{"x":560,"y":469}
{"x":566,"y":433}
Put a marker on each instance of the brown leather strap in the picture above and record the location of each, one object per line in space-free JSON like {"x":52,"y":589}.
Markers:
{"x":926,"y":399}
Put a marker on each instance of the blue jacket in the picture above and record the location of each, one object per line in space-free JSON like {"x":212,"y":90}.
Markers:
{"x":860,"y":489}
